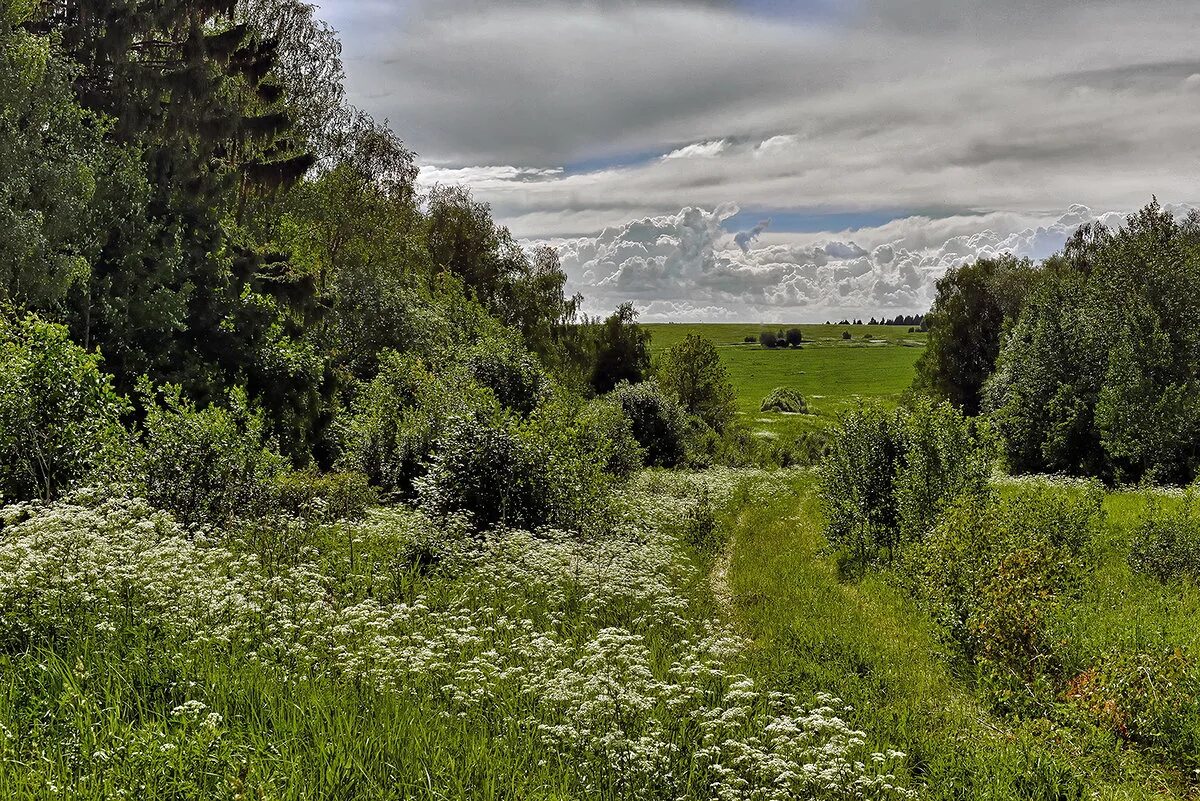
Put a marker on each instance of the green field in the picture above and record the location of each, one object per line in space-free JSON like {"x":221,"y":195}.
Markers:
{"x":832,"y":373}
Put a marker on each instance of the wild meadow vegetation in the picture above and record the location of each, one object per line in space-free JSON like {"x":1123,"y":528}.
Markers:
{"x":316,"y":485}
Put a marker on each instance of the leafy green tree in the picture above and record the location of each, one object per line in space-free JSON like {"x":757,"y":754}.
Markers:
{"x":768,"y":339}
{"x":692,"y":372}
{"x":794,"y":337}
{"x":974,"y":306}
{"x":52,"y":157}
{"x":60,"y":418}
{"x":622,"y":351}
{"x":1101,"y":375}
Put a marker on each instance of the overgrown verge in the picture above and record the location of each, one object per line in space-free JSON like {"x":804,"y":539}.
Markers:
{"x":1010,"y":572}
{"x":393,"y":656}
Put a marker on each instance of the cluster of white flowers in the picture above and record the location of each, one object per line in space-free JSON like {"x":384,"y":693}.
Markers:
{"x":591,"y":648}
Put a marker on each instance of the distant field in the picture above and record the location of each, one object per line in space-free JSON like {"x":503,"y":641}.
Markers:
{"x":833,"y":374}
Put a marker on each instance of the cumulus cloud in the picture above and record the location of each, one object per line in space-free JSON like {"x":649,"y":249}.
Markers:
{"x":686,"y":266}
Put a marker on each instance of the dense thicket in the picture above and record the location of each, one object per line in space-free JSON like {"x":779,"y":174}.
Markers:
{"x":217,"y":271}
{"x":1088,"y":364}
{"x":976,"y":303}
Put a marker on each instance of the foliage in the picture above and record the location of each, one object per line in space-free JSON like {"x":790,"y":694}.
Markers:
{"x":327,"y":497}
{"x":768,"y":339}
{"x":692,"y":372}
{"x":604,"y":428}
{"x":889,"y":475}
{"x":657,"y":422}
{"x":60,"y":418}
{"x":1100,"y":374}
{"x":622,"y":351}
{"x":513,"y":375}
{"x":206,"y":466}
{"x":526,"y":474}
{"x":975,"y":304}
{"x":994,"y":572}
{"x":1167,"y":543}
{"x":794,"y":337}
{"x":785,"y":399}
{"x":399,"y":417}
{"x":1147,"y":697}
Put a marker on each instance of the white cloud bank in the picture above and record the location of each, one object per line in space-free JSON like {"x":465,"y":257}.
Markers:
{"x":688,"y":267}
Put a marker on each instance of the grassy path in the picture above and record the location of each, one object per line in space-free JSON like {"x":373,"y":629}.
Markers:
{"x":868,"y":644}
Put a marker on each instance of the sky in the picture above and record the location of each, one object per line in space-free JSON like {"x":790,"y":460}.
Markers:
{"x":767,"y":160}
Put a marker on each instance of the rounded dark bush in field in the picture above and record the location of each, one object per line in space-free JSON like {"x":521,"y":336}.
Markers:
{"x":1167,"y":544}
{"x":768,"y":339}
{"x":657,"y":422}
{"x":785,"y":399}
{"x":845,"y":335}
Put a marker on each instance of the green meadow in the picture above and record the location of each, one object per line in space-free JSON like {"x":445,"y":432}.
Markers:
{"x":833,"y":373}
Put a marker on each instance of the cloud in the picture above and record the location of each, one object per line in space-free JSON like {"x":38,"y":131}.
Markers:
{"x":746,"y":238}
{"x":946,"y":105}
{"x":685,"y":266}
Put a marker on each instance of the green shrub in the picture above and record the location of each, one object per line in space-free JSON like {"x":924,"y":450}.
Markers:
{"x":657,"y":422}
{"x":890,"y":474}
{"x":994,"y":572}
{"x":398,"y":418}
{"x":1167,"y":544}
{"x":768,"y":339}
{"x":845,"y":335}
{"x":944,"y":457}
{"x":206,"y":466}
{"x":1150,"y":697}
{"x":858,"y":483}
{"x":505,"y":472}
{"x":784,"y":399}
{"x":605,"y":429}
{"x":512,"y":374}
{"x":59,"y":414}
{"x":323,"y":497}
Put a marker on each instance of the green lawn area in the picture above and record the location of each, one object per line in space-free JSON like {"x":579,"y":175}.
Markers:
{"x":832,"y":373}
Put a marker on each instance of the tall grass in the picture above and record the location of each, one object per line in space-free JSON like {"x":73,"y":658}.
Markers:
{"x":395,"y":658}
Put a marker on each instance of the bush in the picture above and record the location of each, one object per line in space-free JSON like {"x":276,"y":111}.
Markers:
{"x":794,"y":337}
{"x":749,"y":340}
{"x":523,"y":474}
{"x":692,"y":372}
{"x":1167,"y":544}
{"x":513,"y":374}
{"x":206,"y":466}
{"x":994,"y":572}
{"x":785,"y":399}
{"x":322,"y":497}
{"x":398,"y":418}
{"x":1150,"y":697}
{"x":605,"y":429}
{"x":845,"y":335}
{"x":59,"y":414}
{"x":889,"y":475}
{"x":768,"y":339}
{"x":657,"y":422}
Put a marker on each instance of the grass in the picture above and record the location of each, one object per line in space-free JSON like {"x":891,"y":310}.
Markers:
{"x":868,"y":643}
{"x":833,"y":374}
{"x":394,"y":658}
